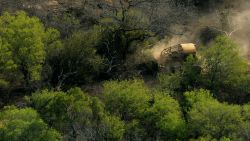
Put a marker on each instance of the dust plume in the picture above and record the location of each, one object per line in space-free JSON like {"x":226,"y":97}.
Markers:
{"x":241,"y":31}
{"x":233,"y":22}
{"x":168,"y":42}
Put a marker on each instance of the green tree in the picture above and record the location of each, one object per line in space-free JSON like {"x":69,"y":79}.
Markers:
{"x":77,"y":116}
{"x":6,"y":63}
{"x":124,"y":26}
{"x":77,"y":61}
{"x":169,"y":83}
{"x":135,"y":131}
{"x":222,"y":65}
{"x":128,"y":99}
{"x":164,"y":119}
{"x":188,"y":77}
{"x":191,"y":75}
{"x":114,"y":128}
{"x":22,"y":40}
{"x":24,"y":125}
{"x":208,"y":117}
{"x":245,"y":129}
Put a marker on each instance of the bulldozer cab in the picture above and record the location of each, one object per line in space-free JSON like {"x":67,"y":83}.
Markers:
{"x":172,"y":57}
{"x":188,"y":48}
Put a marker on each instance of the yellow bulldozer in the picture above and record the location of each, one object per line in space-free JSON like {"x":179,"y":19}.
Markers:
{"x":172,"y":57}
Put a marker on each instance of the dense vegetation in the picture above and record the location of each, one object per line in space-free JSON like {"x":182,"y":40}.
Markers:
{"x":85,"y":72}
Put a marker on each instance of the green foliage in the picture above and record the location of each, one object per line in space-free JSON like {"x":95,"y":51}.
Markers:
{"x":4,"y":83}
{"x":114,"y":128}
{"x":209,"y":138}
{"x":135,"y":131}
{"x":77,"y":116}
{"x":67,"y":23}
{"x":24,"y":37}
{"x":169,"y":83}
{"x":165,"y":119}
{"x":191,"y":73}
{"x":116,"y":43}
{"x":6,"y":57}
{"x":158,"y":118}
{"x":223,"y":65}
{"x":219,"y":68}
{"x":122,"y":32}
{"x":245,"y":128}
{"x":128,"y":99}
{"x":52,"y":42}
{"x":22,"y":47}
{"x":77,"y":61}
{"x":52,"y":107}
{"x":208,"y":117}
{"x":24,"y":125}
{"x":187,"y":78}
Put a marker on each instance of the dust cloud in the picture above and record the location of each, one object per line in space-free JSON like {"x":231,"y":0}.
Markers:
{"x":234,"y":23}
{"x":241,"y":31}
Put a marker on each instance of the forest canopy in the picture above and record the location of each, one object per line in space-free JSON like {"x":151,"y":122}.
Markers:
{"x":116,"y":70}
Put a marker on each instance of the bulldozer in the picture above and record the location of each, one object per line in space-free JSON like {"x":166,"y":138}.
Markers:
{"x":172,"y":57}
